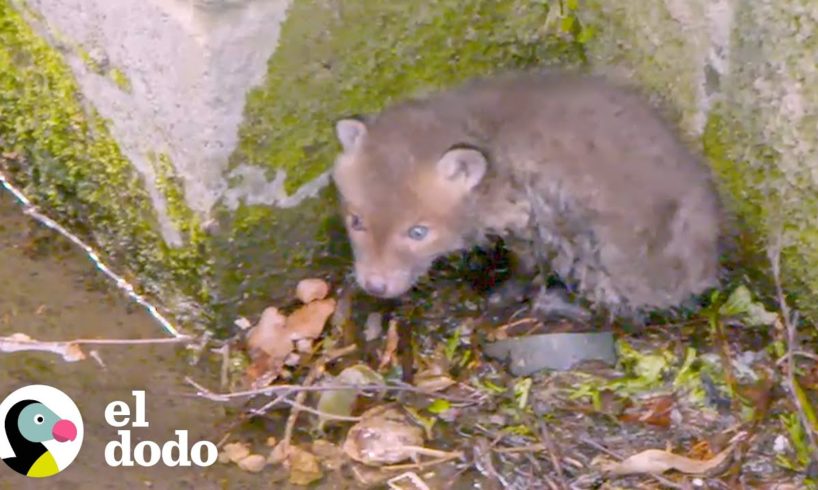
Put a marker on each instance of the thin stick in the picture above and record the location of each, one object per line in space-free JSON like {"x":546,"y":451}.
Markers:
{"x":316,"y":370}
{"x":270,"y":390}
{"x":444,"y":458}
{"x":165,"y":340}
{"x":325,"y":415}
{"x":553,"y":453}
{"x":791,"y":324}
{"x":531,"y":448}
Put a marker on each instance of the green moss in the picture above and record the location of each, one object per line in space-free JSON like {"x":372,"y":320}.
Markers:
{"x":332,"y":63}
{"x":66,"y":159}
{"x":753,"y":196}
{"x":120,"y":79}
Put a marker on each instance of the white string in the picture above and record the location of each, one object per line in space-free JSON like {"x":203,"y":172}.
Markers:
{"x":121,"y":283}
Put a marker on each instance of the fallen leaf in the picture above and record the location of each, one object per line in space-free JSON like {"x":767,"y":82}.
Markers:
{"x":270,"y":442}
{"x":309,"y":290}
{"x":252,"y":463}
{"x":373,"y":327}
{"x":236,"y":451}
{"x":242,"y":323}
{"x":269,"y":334}
{"x":330,"y":455}
{"x":341,"y":402}
{"x":654,"y":411}
{"x":385,"y":435}
{"x":432,"y":382}
{"x":391,"y":346}
{"x":268,"y":347}
{"x":657,"y":461}
{"x":308,"y":321}
{"x":304,"y":467}
{"x":278,"y":454}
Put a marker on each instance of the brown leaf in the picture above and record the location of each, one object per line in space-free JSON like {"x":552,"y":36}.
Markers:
{"x":236,"y":451}
{"x":304,"y":467}
{"x":657,"y":461}
{"x":309,"y":290}
{"x":268,"y":347}
{"x":385,"y":435}
{"x":308,"y":321}
{"x":391,"y":346}
{"x":268,"y":335}
{"x":655,"y":411}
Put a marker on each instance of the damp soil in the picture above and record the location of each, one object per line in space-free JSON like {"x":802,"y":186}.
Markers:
{"x":50,"y":291}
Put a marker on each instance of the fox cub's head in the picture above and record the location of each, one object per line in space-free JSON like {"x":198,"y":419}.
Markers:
{"x":406,"y":195}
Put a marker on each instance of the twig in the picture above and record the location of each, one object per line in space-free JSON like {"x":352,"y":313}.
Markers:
{"x":531,"y":448}
{"x":600,"y":447}
{"x":325,"y":415}
{"x":801,"y":353}
{"x":69,"y":350}
{"x":442,"y":457}
{"x":791,"y":324}
{"x":553,"y":453}
{"x":270,"y":390}
{"x":164,"y":340}
{"x":316,"y":370}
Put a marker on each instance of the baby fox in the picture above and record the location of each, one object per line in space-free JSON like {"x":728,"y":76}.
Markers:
{"x":571,"y":171}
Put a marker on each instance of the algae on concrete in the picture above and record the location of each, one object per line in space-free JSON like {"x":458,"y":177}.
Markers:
{"x":61,"y":151}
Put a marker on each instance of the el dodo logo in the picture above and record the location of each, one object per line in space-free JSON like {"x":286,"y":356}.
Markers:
{"x":40,"y":431}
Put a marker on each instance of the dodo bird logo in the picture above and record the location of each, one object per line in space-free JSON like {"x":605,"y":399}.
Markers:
{"x":40,"y":431}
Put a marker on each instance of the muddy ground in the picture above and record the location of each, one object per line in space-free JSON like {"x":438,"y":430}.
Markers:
{"x":711,"y":389}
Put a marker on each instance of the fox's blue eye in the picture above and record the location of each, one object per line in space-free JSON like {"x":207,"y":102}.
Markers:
{"x":418,"y":232}
{"x":355,"y":222}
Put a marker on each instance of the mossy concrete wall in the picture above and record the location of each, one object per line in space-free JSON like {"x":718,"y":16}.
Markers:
{"x":192,"y":138}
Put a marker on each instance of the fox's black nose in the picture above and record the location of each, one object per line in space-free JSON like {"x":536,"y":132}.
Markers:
{"x":375,"y":286}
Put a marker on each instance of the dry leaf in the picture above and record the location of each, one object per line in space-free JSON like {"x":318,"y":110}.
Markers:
{"x":270,"y":442}
{"x":278,"y":454}
{"x":385,"y":435}
{"x":268,"y":347}
{"x":433,"y":382}
{"x":309,"y":290}
{"x":252,"y":463}
{"x":391,"y":346}
{"x":654,"y":411}
{"x":373,"y":327}
{"x":236,"y":451}
{"x":331,"y":456}
{"x":304,"y":467}
{"x":658,"y":461}
{"x":308,"y":321}
{"x":269,"y":334}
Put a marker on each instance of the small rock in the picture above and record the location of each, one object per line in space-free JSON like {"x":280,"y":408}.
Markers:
{"x":304,"y":346}
{"x":309,"y":290}
{"x":252,"y":463}
{"x":236,"y":451}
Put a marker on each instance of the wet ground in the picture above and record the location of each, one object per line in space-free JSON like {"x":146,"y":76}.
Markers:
{"x":50,"y":291}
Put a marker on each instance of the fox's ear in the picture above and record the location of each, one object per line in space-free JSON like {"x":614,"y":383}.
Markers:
{"x":350,"y":131}
{"x":462,"y":166}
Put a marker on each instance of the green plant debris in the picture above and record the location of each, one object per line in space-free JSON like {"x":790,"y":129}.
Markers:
{"x":120,"y":79}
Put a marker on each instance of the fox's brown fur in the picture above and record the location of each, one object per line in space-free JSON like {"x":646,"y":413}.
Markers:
{"x":573,"y":170}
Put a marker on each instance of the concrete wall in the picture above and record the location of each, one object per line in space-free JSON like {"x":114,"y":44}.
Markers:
{"x":214,"y":117}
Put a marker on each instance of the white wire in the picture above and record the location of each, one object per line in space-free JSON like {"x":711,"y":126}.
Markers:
{"x":121,"y":283}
